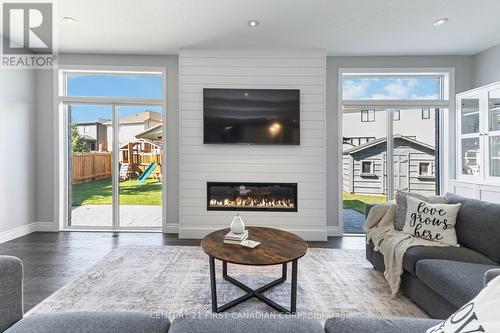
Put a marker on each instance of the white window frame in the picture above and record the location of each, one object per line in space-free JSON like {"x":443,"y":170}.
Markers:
{"x":447,"y":119}
{"x":61,"y":208}
{"x":428,"y":113}
{"x":372,"y":167}
{"x":367,"y":113}
{"x":431,"y":167}
{"x":397,"y":112}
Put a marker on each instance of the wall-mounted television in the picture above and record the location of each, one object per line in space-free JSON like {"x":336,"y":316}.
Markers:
{"x":251,"y":116}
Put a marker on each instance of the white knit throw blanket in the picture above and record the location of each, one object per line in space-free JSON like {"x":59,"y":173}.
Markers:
{"x":379,"y":227}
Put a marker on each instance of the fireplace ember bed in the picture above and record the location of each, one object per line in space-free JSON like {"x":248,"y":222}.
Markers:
{"x":278,"y":197}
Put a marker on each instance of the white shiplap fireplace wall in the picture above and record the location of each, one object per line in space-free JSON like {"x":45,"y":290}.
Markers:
{"x":304,"y":164}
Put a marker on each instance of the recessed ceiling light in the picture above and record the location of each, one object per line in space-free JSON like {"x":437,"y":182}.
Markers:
{"x":440,"y":21}
{"x":253,"y":23}
{"x":69,"y":19}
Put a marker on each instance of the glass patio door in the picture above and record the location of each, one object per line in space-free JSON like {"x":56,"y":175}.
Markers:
{"x":90,"y":166}
{"x":140,"y":156}
{"x":114,"y":166}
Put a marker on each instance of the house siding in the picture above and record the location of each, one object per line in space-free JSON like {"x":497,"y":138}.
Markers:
{"x":407,"y":158}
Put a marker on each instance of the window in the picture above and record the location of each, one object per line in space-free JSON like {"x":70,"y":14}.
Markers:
{"x":367,"y":116}
{"x":397,"y":114}
{"x":426,"y":113}
{"x":367,"y":167}
{"x":425,"y":169}
{"x":397,"y":87}
{"x":86,"y":129}
{"x":132,"y":86}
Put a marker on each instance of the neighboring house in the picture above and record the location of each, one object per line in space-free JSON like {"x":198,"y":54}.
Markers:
{"x":363,"y":125}
{"x":132,"y":125}
{"x":94,"y":133}
{"x":364,"y":167}
{"x":152,"y":135}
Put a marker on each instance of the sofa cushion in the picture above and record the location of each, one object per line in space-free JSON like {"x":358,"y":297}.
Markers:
{"x":232,"y":323}
{"x":91,"y":322}
{"x":416,"y":253}
{"x":477,"y":225}
{"x":379,"y":325}
{"x":457,"y":282}
{"x":479,"y":314}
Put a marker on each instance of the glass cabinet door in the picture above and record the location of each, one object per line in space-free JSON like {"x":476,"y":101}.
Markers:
{"x":470,"y":125}
{"x":493,"y":136}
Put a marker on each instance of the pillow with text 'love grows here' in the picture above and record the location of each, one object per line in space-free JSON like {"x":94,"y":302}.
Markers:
{"x":435,"y":222}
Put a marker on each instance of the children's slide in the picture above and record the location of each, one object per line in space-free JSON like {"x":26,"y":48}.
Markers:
{"x":142,"y":178}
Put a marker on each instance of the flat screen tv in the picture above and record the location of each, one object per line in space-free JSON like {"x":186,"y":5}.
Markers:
{"x":251,"y":116}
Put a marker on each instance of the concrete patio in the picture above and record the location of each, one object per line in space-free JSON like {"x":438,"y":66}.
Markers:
{"x":353,"y":221}
{"x":130,"y":216}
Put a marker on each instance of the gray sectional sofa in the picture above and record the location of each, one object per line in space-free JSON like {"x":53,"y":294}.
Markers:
{"x":442,"y":279}
{"x":12,"y":321}
{"x":439,"y":279}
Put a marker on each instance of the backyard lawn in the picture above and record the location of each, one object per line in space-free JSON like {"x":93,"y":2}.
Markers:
{"x":131,"y":193}
{"x":359,"y":201}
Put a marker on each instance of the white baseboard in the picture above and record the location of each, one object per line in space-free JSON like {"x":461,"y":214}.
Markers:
{"x":46,"y":227}
{"x":11,"y":234}
{"x":333,"y":231}
{"x":27,"y":229}
{"x":171,"y":228}
{"x":198,"y":233}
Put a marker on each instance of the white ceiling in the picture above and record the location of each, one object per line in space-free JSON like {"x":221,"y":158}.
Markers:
{"x":342,"y":27}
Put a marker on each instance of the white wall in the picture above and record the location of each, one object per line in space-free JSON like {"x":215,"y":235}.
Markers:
{"x":487,"y":67}
{"x":304,"y":164}
{"x":463,"y":81}
{"x":45,"y":132}
{"x":17,"y":189}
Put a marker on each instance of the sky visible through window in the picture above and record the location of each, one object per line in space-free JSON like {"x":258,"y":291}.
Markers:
{"x":360,"y":88}
{"x":114,"y":86}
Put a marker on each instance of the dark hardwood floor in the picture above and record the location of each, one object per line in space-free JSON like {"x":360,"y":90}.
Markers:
{"x":52,"y":260}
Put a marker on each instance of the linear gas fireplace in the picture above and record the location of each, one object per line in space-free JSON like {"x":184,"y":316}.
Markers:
{"x":252,"y":196}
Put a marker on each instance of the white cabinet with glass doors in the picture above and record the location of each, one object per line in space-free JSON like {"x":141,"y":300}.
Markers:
{"x":478,"y":135}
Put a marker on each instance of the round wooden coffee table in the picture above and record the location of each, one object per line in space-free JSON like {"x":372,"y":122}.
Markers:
{"x":278,"y":247}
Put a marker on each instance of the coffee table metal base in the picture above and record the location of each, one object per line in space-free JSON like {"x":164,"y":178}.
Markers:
{"x":257,"y":293}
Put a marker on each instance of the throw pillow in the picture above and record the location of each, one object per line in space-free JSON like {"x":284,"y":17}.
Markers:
{"x":434,"y":222}
{"x":401,"y":196}
{"x":479,"y":315}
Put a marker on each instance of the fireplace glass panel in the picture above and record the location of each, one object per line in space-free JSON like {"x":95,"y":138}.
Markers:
{"x":252,"y":196}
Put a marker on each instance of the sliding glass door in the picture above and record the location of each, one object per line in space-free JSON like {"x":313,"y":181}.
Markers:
{"x":140,"y":167}
{"x":113,"y":150}
{"x":397,"y":149}
{"x":90,"y":165}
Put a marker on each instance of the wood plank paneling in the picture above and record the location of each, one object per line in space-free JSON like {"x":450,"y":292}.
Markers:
{"x":303,"y":164}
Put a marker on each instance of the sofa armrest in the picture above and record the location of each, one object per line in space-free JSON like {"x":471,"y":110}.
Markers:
{"x":368,"y":207}
{"x":11,"y":291}
{"x":490,"y":275}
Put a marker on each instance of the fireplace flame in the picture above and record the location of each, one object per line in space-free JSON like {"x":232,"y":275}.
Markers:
{"x":253,"y":203}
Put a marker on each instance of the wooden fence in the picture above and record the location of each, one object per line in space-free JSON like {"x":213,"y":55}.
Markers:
{"x":91,"y":166}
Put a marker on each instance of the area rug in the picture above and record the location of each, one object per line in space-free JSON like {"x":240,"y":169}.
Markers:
{"x":174,"y":280}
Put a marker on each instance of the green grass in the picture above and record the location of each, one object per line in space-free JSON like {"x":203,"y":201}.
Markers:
{"x":359,"y":201}
{"x":131,"y":193}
